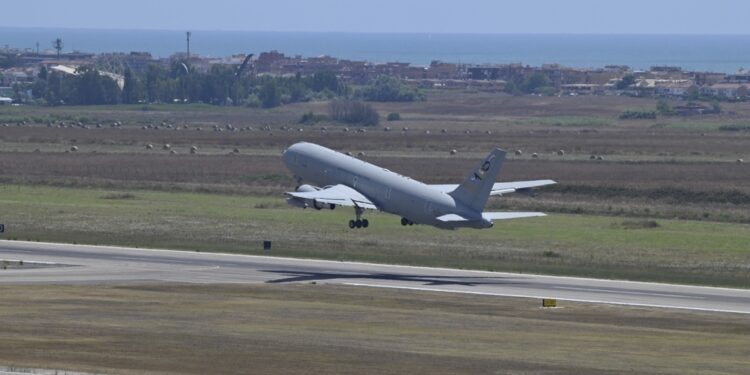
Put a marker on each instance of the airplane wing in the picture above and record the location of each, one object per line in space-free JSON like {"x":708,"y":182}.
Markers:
{"x":341,"y":195}
{"x":449,"y":218}
{"x":510,"y":215}
{"x":502,"y":188}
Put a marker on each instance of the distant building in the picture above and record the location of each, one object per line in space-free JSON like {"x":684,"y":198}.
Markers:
{"x":726,"y":90}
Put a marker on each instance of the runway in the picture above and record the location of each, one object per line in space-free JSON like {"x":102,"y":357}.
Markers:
{"x":46,"y":263}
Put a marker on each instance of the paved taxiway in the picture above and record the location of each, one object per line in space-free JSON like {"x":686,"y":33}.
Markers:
{"x":102,"y":264}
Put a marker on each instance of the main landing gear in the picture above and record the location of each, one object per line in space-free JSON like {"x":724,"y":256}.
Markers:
{"x":359,"y":223}
{"x":405,"y":221}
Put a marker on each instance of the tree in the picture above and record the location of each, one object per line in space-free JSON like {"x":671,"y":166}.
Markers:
{"x":130,"y":88}
{"x":269,"y":94}
{"x":693,"y":93}
{"x":389,"y":89}
{"x":10,"y":60}
{"x":535,"y":82}
{"x":625,"y":82}
{"x":742,"y":92}
{"x":663,"y":107}
{"x":353,"y":112}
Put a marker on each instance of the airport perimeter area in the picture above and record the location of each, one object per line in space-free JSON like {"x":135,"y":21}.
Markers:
{"x":663,"y":200}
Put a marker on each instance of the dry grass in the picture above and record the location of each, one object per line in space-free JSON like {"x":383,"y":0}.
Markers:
{"x":302,"y":329}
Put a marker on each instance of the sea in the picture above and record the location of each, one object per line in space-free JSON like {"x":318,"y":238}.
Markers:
{"x":714,"y":53}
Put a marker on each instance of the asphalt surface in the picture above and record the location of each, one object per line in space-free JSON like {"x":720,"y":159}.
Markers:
{"x":46,"y":263}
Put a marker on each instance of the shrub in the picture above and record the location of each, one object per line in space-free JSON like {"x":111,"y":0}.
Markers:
{"x":389,"y":89}
{"x":311,"y":118}
{"x":734,"y":128}
{"x":637,"y":115}
{"x":353,"y":112}
{"x":393,"y":117}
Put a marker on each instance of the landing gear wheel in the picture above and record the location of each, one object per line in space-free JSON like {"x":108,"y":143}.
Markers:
{"x":404,"y":222}
{"x":352,"y":224}
{"x":358,"y":223}
{"x":365,"y":223}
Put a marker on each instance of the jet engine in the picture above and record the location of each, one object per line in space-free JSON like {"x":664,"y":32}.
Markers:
{"x":305,"y":203}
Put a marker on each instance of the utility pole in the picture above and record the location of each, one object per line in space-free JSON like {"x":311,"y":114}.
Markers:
{"x":37,"y":48}
{"x":188,"y":45}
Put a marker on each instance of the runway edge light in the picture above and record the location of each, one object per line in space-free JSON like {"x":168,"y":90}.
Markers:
{"x":549,"y":302}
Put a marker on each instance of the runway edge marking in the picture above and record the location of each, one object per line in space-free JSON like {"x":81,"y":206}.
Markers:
{"x":540,"y":296}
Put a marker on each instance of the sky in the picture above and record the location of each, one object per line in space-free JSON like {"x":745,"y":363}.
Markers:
{"x":413,"y":16}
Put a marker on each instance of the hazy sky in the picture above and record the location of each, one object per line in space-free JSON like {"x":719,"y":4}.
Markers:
{"x":429,"y":16}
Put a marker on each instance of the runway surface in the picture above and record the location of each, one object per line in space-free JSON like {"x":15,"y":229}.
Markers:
{"x":46,"y":263}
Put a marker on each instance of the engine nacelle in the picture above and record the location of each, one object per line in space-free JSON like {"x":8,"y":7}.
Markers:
{"x":305,"y":203}
{"x":307,"y":188}
{"x":296,"y":202}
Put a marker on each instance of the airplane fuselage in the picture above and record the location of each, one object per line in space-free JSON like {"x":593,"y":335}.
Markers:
{"x":389,"y":191}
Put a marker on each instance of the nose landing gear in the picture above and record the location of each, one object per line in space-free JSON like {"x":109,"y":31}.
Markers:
{"x":405,"y":221}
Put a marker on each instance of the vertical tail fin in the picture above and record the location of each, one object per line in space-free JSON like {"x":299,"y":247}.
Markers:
{"x":475,"y":190}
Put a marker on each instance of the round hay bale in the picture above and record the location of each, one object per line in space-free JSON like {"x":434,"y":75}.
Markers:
{"x":173,"y":152}
{"x":346,"y":130}
{"x":600,"y":157}
{"x":519,"y":152}
{"x":467,"y":131}
{"x":453,"y":152}
{"x":444,"y":131}
{"x":387,"y":128}
{"x":360,"y":154}
{"x":535,"y":155}
{"x":405,"y":128}
{"x":300,"y":130}
{"x":427,"y":132}
{"x":740,"y":161}
{"x":488,"y":132}
{"x":561,"y":152}
{"x":348,"y":153}
{"x":198,"y":129}
{"x":193,"y":150}
{"x":236,"y":150}
{"x":592,"y":157}
{"x":166,"y":146}
{"x":74,"y":149}
{"x":149,"y":146}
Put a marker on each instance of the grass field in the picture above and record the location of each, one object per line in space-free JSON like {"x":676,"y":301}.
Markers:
{"x":682,"y":173}
{"x":599,"y":246}
{"x":303,"y":329}
{"x":666,"y":199}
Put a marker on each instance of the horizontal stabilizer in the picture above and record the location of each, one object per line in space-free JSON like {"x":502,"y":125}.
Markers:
{"x":510,"y":215}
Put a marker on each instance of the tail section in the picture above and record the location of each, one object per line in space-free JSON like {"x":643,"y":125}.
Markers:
{"x":475,"y":190}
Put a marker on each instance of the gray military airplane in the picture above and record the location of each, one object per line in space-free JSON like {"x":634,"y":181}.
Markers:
{"x":348,"y":181}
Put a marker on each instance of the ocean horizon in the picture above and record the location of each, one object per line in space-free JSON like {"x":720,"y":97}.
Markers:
{"x":715,"y":53}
